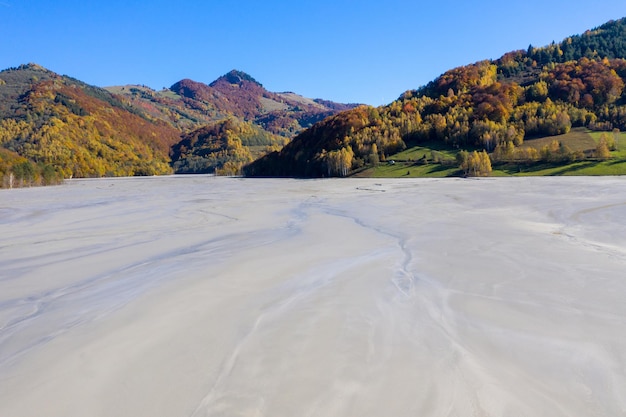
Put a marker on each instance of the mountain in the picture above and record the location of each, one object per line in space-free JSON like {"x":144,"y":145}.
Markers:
{"x":493,"y":106}
{"x":54,"y":127}
{"x":190,"y":104}
{"x":238,"y":94}
{"x":260,"y":120}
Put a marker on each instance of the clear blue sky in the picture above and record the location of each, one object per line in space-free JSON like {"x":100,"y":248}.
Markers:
{"x":344,"y":50}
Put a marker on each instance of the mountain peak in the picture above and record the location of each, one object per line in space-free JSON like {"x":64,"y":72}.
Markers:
{"x":236,"y":77}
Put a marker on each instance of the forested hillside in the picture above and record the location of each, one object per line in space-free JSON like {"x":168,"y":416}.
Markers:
{"x":490,"y":107}
{"x":54,"y":127}
{"x":229,"y":122}
{"x":222,"y":147}
{"x":493,"y":112}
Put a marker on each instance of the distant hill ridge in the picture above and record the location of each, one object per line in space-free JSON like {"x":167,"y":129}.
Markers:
{"x":239,"y":94}
{"x":54,"y":126}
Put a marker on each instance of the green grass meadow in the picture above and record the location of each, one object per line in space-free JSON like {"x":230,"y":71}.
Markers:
{"x":433,"y":160}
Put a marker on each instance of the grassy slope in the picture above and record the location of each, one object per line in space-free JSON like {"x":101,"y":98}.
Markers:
{"x":408,"y":163}
{"x":578,"y":139}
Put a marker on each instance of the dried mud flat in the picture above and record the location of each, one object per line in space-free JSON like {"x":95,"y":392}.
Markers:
{"x":203,"y":296}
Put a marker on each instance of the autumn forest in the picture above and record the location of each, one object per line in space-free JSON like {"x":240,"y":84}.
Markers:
{"x":493,"y":108}
{"x":561,"y":105}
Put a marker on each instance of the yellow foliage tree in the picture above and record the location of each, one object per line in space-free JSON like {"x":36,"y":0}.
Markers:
{"x":477,"y":164}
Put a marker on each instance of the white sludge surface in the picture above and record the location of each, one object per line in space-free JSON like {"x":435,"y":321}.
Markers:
{"x":201,"y":296}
